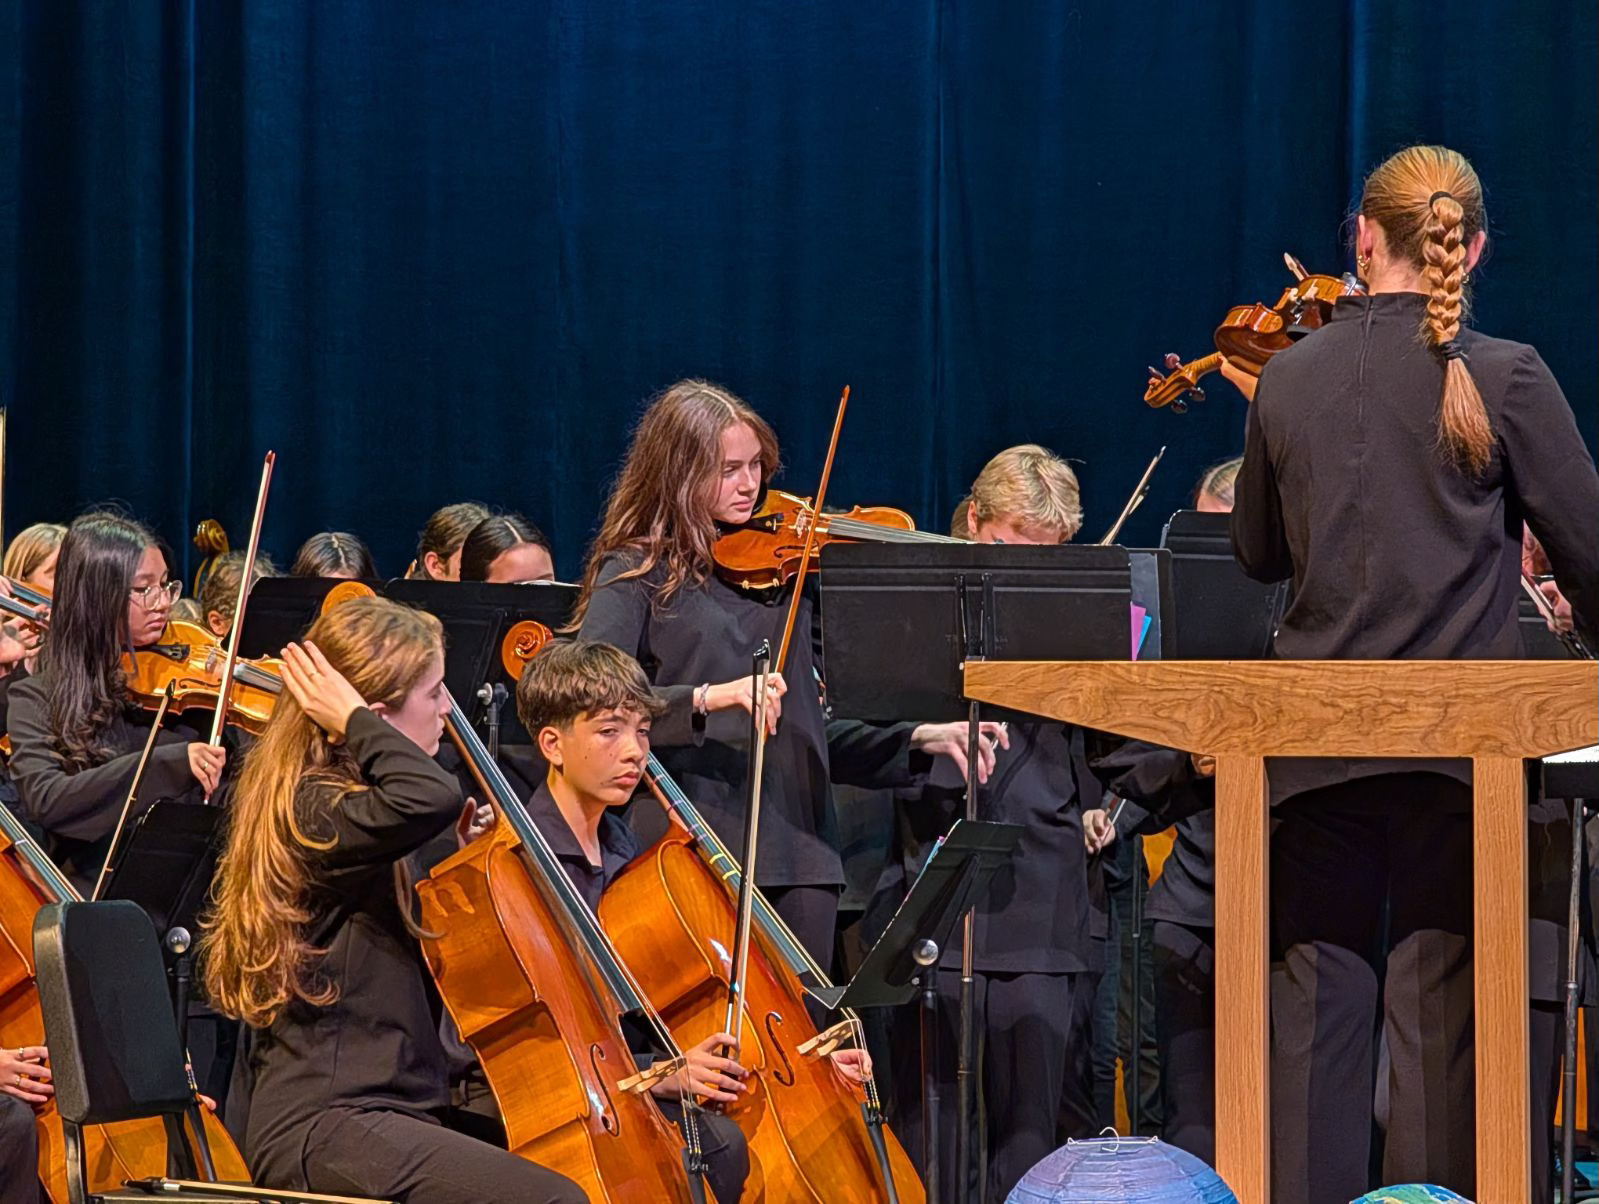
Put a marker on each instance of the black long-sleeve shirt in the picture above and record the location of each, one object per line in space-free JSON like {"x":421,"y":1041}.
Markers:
{"x":707,"y":633}
{"x":377,"y":1045}
{"x":1394,"y":552}
{"x":78,"y":808}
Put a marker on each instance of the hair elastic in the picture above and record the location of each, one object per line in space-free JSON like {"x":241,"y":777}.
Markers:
{"x":1452,"y":350}
{"x":1433,"y":199}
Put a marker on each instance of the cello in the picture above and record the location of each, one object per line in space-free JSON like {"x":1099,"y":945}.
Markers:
{"x":671,"y":915}
{"x":113,"y":1153}
{"x":538,"y":992}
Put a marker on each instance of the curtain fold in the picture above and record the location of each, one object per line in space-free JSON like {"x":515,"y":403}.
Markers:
{"x":432,"y":252}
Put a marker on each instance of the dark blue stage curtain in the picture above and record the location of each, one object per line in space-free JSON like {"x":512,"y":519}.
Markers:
{"x":439,"y":249}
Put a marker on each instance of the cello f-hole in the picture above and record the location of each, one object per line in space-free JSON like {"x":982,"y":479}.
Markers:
{"x":608,"y":1118}
{"x":785,"y":1073}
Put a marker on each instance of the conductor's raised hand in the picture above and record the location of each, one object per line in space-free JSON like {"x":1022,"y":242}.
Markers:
{"x":324,"y":694}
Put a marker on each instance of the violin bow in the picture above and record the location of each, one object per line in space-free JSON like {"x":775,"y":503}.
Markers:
{"x":231,"y":659}
{"x":1133,"y":502}
{"x":133,"y":790}
{"x":762,"y":667}
{"x":810,"y":537}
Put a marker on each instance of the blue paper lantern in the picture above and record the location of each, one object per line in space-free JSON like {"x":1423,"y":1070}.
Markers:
{"x":1412,"y":1193}
{"x":1124,"y":1170}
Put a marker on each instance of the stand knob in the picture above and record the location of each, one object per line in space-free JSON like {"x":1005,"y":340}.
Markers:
{"x":178,"y":941}
{"x":925,"y":953}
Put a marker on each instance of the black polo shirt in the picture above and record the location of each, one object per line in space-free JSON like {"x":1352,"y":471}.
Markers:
{"x":618,"y":846}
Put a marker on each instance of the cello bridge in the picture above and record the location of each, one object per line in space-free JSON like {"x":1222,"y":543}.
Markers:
{"x":828,"y":1041}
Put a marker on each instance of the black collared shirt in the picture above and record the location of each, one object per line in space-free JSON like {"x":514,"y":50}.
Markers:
{"x":618,"y":846}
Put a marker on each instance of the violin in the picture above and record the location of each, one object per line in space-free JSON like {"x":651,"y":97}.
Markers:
{"x":190,"y":659}
{"x":766,"y":552}
{"x":1251,"y":334}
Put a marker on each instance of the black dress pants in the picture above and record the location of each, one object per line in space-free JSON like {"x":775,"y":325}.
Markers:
{"x":1337,"y":855}
{"x":1184,"y":959}
{"x":811,"y":913}
{"x":397,"y":1157}
{"x":19,"y":1153}
{"x":1023,"y":1025}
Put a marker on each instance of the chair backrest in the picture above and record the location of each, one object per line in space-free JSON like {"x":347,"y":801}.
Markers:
{"x":108,"y":1017}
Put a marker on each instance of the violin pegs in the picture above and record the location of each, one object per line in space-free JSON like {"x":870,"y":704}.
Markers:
{"x":1179,"y":406}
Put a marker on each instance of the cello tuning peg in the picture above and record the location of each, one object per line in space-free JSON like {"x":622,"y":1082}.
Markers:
{"x":1180,"y":406}
{"x":1173,"y":361}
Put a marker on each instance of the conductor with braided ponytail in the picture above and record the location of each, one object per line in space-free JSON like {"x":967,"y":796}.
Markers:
{"x":1390,"y":460}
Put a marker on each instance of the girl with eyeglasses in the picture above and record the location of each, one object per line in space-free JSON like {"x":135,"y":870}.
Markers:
{"x":76,"y":734}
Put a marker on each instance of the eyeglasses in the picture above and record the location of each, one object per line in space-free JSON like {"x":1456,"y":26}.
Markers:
{"x":152,"y":596}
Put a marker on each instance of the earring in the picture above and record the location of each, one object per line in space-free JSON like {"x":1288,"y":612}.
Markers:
{"x":1362,"y":262}
{"x":1465,"y":278}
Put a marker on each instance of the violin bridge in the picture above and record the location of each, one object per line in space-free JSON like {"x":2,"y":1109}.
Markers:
{"x":645,"y":1079}
{"x":828,"y":1041}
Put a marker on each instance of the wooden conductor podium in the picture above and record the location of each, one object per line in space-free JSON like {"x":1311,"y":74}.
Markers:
{"x":1495,"y":712}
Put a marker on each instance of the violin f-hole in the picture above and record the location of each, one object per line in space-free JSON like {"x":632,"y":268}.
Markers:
{"x":785,"y":1072}
{"x":608,"y":1119}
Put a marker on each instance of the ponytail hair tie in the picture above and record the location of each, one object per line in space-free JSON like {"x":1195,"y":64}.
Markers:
{"x":1433,"y":199}
{"x":1452,"y":350}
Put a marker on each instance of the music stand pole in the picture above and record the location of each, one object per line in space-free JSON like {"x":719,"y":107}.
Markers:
{"x":974,"y":638}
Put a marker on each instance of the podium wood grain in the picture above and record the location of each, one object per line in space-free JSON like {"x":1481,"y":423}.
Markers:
{"x":1495,"y":712}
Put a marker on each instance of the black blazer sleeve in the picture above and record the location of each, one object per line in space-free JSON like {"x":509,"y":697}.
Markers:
{"x":1162,"y":781}
{"x":619,"y":614}
{"x":83,"y":804}
{"x":408,"y":800}
{"x":873,"y":756}
{"x":1553,"y":475}
{"x":1260,"y":541}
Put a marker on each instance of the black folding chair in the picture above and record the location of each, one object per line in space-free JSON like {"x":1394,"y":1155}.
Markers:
{"x":114,"y":1051}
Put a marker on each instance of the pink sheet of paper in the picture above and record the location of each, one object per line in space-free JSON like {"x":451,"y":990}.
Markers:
{"x":1139,"y":617}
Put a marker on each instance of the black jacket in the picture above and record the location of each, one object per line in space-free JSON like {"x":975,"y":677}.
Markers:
{"x":1036,"y":918}
{"x":1393,"y":551}
{"x":78,"y":809}
{"x":708,"y":633}
{"x":377,"y":1045}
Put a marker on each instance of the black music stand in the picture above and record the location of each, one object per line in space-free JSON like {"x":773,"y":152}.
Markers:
{"x":900,"y":620}
{"x":904,"y":961}
{"x":165,"y":864}
{"x":1222,"y":614}
{"x":280,"y":610}
{"x":476,"y":618}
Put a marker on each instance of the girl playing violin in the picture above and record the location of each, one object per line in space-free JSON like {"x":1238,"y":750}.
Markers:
{"x":438,"y":547}
{"x":700,"y":463}
{"x":76,"y":734}
{"x":1389,"y":461}
{"x":312,"y":941}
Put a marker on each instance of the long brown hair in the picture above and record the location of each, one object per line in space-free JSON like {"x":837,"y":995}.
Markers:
{"x":256,"y":957}
{"x":661,"y":504}
{"x":1428,"y":201}
{"x":81,"y":659}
